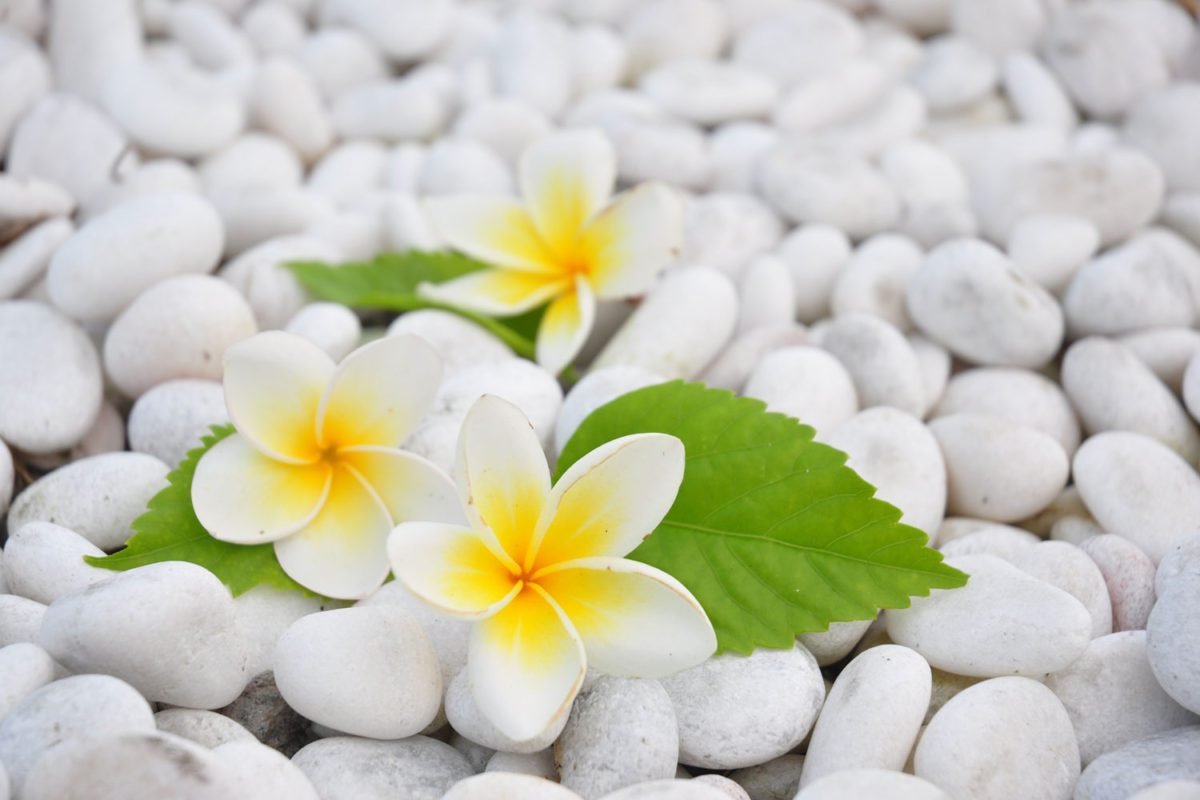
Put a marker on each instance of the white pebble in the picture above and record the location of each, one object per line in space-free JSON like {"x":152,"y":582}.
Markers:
{"x":766,"y":294}
{"x":506,"y":125}
{"x":806,"y":383}
{"x":44,"y":561}
{"x":206,"y":728}
{"x":257,"y":160}
{"x":1052,"y":248}
{"x":370,"y":111}
{"x":272,"y":291}
{"x":733,"y":366}
{"x":1035,"y":94}
{"x":404,"y":30}
{"x":87,"y":44}
{"x":349,"y":171}
{"x":285,"y":101}
{"x":462,"y":167}
{"x":594,"y":390}
{"x":815,"y":254}
{"x":735,"y":149}
{"x":659,"y":31}
{"x":1070,"y":569}
{"x":24,"y":668}
{"x":876,"y":278}
{"x":954,"y":73}
{"x":727,"y":230}
{"x":24,"y":260}
{"x":508,"y":786}
{"x":340,"y":59}
{"x":672,"y":152}
{"x":24,"y":75}
{"x":1019,"y":395}
{"x":273,"y":28}
{"x":1168,"y":353}
{"x":709,"y":92}
{"x":259,"y":770}
{"x":330,"y":326}
{"x":798,"y":42}
{"x":1172,"y":642}
{"x":168,"y":420}
{"x":466,"y":718}
{"x":1162,"y":758}
{"x":852,"y":784}
{"x":1129,"y":574}
{"x":880,"y":361}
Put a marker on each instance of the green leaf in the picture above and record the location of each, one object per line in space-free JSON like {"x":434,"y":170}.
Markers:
{"x":170,"y":531}
{"x":771,"y":531}
{"x":390,"y":281}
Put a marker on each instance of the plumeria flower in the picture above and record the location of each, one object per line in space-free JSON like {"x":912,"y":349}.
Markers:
{"x":314,"y":466}
{"x":542,"y":571}
{"x":565,"y":244}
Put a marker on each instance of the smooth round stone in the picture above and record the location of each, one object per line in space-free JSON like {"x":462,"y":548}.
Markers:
{"x":271,"y":290}
{"x":130,"y":766}
{"x":347,"y":768}
{"x":1151,"y":274}
{"x":1003,"y":622}
{"x":815,"y":254}
{"x":934,"y":361}
{"x":1112,"y":696}
{"x":24,"y":668}
{"x":1169,"y":790}
{"x":1104,"y":63}
{"x":806,"y":383}
{"x":85,"y":43}
{"x":253,"y":160}
{"x":676,"y":789}
{"x":508,"y":786}
{"x":620,"y":732}
{"x":735,"y":711}
{"x":875,"y":279}
{"x":835,"y":642}
{"x":1070,"y":569}
{"x":171,"y":109}
{"x":880,"y":361}
{"x":1168,"y":353}
{"x":44,"y":561}
{"x":799,"y":41}
{"x":205,"y":728}
{"x":766,"y":294}
{"x":732,"y":368}
{"x":998,"y":469}
{"x":969,"y":297}
{"x":679,"y":327}
{"x":709,"y":92}
{"x":844,"y":93}
{"x":954,"y":73}
{"x":1022,"y":396}
{"x":98,"y":497}
{"x":119,"y":254}
{"x":169,"y":629}
{"x":779,"y":777}
{"x":539,"y":764}
{"x":1138,"y":488}
{"x":262,"y":771}
{"x":79,"y":707}
{"x":367,"y":671}
{"x":169,"y":420}
{"x":924,"y":174}
{"x":1113,"y":391}
{"x":854,"y":784}
{"x":731,"y":789}
{"x":407,"y":30}
{"x":899,"y":456}
{"x":208,"y":35}
{"x":727,"y":230}
{"x":1051,"y":248}
{"x":1172,"y":642}
{"x":1035,"y":93}
{"x":460,"y":342}
{"x":666,"y":30}
{"x":811,"y":184}
{"x":285,"y":101}
{"x":735,"y":149}
{"x":1001,"y":541}
{"x":7,"y":478}
{"x":1162,"y":757}
{"x":594,"y":390}
{"x":339,"y":59}
{"x":462,"y":166}
{"x":26,"y":202}
{"x":349,"y":171}
{"x":260,"y":216}
{"x":367,"y":111}
{"x":24,"y":260}
{"x":1181,"y":560}
{"x":672,"y":152}
{"x":67,"y":141}
{"x":49,"y":376}
{"x":872,"y":715}
{"x":264,"y":613}
{"x":179,"y":328}
{"x":20,"y":619}
{"x":1129,"y":574}
{"x":505,"y":124}
{"x":24,"y":72}
{"x":466,"y":718}
{"x":1002,"y":738}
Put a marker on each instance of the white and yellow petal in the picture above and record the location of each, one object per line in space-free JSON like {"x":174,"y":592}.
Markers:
{"x":244,"y":497}
{"x":525,"y":665}
{"x":273,"y":385}
{"x":634,"y":620}
{"x":611,"y":499}
{"x":566,"y":179}
{"x":565,"y":327}
{"x":501,"y":473}
{"x":378,"y":393}
{"x":496,"y":230}
{"x":452,"y":568}
{"x":630,"y":243}
{"x":497,"y":292}
{"x":342,"y":552}
{"x":411,"y":487}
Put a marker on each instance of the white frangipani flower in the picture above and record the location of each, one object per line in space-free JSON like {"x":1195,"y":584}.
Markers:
{"x":315,"y":465}
{"x":565,"y":243}
{"x":543,"y":572}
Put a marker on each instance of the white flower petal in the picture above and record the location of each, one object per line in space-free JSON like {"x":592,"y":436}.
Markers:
{"x":452,"y":568}
{"x":565,"y":327}
{"x":501,"y":473}
{"x":496,"y":292}
{"x":633,"y":239}
{"x":567,"y":178}
{"x":342,"y":553}
{"x":525,"y":665}
{"x":495,"y":230}
{"x":410,"y":487}
{"x":378,"y":393}
{"x":242,"y":496}
{"x":635,"y":621}
{"x":273,"y":384}
{"x":611,"y":499}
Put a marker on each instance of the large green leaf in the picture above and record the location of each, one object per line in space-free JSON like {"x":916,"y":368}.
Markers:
{"x":390,"y":280}
{"x":771,"y":531}
{"x":170,"y":531}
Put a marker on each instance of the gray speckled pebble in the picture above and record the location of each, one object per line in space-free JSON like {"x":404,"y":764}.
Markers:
{"x":349,"y":768}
